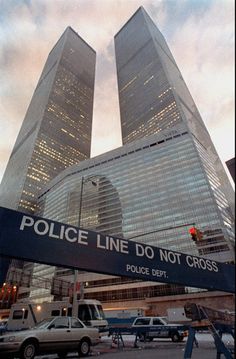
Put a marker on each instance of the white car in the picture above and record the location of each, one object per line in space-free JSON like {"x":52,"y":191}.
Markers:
{"x":149,"y":328}
{"x":53,"y":335}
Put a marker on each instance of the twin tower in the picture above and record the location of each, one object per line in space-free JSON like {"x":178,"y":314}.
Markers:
{"x":153,"y":99}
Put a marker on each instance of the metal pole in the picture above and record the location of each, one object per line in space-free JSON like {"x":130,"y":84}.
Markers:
{"x":162,"y":229}
{"x":74,"y":303}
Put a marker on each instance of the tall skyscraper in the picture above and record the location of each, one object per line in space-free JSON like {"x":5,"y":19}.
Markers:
{"x":56,"y":131}
{"x":153,"y":95}
{"x":231,"y":167}
{"x":166,"y":177}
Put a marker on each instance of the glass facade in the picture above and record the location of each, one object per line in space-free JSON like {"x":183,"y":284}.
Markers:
{"x":146,"y":95}
{"x":56,"y":131}
{"x":152,"y":93}
{"x":152,"y":191}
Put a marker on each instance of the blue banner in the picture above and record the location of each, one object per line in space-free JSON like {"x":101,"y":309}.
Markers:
{"x":36,"y":239}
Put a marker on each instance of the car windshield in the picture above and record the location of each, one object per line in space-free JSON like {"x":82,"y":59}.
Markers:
{"x":142,"y":321}
{"x":95,"y":312}
{"x":44,"y":323}
{"x":101,"y":313}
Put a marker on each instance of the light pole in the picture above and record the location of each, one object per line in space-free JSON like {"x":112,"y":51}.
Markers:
{"x":163,"y":229}
{"x":83,"y":181}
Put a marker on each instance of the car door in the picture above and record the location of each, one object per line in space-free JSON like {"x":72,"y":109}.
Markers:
{"x":160,"y":330}
{"x":57,"y":336}
{"x":77,"y":331}
{"x":142,"y":324}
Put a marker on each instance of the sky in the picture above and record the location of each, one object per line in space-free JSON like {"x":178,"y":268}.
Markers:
{"x":200,"y":34}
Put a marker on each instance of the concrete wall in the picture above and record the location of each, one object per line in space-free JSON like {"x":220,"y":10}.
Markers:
{"x":159,"y":305}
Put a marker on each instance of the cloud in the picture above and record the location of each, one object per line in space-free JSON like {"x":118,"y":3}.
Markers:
{"x":203,"y":48}
{"x":28,"y":31}
{"x":201,"y":38}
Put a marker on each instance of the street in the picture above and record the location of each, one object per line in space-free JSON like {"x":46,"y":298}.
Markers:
{"x":161,"y":349}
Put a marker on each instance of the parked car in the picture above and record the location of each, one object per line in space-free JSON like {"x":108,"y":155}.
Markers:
{"x":158,"y":327}
{"x":53,"y":335}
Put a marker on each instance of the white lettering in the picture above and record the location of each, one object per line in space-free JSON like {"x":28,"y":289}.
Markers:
{"x":195,"y":262}
{"x":112,"y":244}
{"x":201,"y":263}
{"x":141,"y":251}
{"x":51,"y":230}
{"x":99,"y":245}
{"x":124,"y":247}
{"x":82,"y":238}
{"x":214,"y":266}
{"x":188,"y":260}
{"x":159,"y":273}
{"x":149,"y":252}
{"x":137,"y":269}
{"x":44,"y":225}
{"x":70,"y":234}
{"x":169,"y":256}
{"x":70,"y":229}
{"x":26,"y":222}
{"x":163,"y":255}
{"x":62,"y":231}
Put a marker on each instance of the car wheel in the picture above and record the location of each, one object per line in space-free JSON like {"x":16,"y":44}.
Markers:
{"x":142,"y":337}
{"x":28,"y":350}
{"x":175,"y":337}
{"x":84,"y":347}
{"x":62,"y":355}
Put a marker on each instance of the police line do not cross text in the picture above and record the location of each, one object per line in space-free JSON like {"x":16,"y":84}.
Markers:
{"x":80,"y":237}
